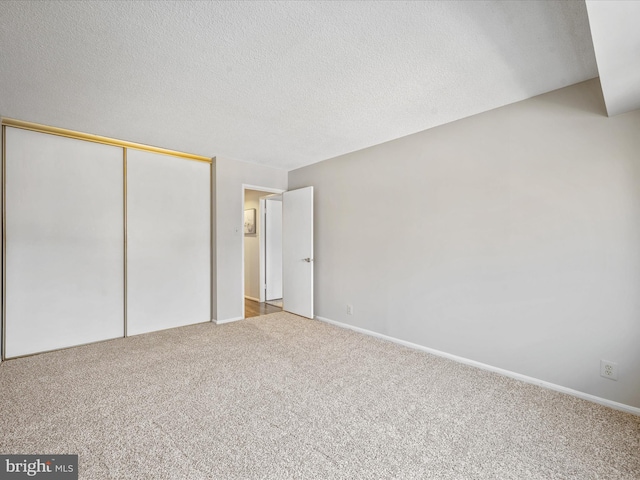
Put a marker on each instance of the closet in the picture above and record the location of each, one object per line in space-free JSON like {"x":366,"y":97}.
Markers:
{"x":101,"y":239}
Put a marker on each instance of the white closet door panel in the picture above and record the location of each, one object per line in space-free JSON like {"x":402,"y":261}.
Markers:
{"x":168,"y":242}
{"x":65,"y":280}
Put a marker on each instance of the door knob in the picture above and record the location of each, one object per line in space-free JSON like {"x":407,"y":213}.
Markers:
{"x":308,"y":260}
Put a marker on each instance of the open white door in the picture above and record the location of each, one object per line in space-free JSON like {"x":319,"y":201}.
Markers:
{"x":297,"y":251}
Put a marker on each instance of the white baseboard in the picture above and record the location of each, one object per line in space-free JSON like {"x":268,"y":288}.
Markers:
{"x":507,"y":373}
{"x":252,"y":298}
{"x":227,"y":320}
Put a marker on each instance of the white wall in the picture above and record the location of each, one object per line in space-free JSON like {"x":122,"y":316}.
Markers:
{"x":511,"y":238}
{"x":616,"y":42}
{"x":252,"y":247}
{"x":230,"y":176}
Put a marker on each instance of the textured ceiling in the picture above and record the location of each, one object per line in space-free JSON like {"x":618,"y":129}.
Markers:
{"x":281,"y":83}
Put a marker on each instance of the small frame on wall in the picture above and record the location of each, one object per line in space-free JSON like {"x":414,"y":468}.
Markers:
{"x":250,"y":221}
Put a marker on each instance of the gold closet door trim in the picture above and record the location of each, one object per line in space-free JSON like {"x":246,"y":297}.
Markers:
{"x":63,"y":132}
{"x":7,"y":122}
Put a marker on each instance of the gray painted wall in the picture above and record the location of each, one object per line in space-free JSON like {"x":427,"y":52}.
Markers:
{"x":510,"y":238}
{"x":230,"y":176}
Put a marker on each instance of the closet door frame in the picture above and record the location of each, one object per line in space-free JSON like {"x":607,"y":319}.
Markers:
{"x":125,"y":145}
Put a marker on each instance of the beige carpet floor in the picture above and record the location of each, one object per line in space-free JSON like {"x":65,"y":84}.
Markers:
{"x":278,"y":396}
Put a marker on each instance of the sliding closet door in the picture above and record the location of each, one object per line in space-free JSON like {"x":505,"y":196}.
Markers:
{"x":168,"y":242}
{"x":64,"y":242}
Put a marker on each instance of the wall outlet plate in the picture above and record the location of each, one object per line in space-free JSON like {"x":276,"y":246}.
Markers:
{"x":609,"y":369}
{"x":349,"y":309}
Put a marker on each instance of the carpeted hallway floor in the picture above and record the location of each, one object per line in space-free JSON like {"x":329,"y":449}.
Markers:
{"x":279,"y":396}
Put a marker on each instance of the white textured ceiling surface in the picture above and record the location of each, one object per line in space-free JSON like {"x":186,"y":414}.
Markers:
{"x":615,"y":29}
{"x":281,"y":83}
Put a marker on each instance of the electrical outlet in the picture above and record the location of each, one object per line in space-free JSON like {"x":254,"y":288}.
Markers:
{"x":349,"y":309}
{"x":609,"y":369}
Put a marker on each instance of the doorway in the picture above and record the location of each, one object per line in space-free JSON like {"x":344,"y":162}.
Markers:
{"x":262,"y":255}
{"x":297,"y":249}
